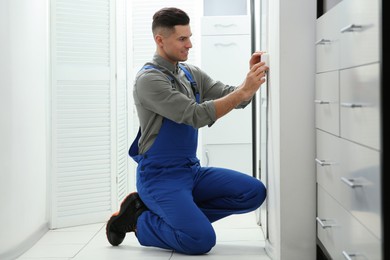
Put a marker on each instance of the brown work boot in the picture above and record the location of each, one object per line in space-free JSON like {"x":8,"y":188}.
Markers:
{"x":124,"y":220}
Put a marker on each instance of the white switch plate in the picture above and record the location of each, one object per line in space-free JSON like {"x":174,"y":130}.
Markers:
{"x":265,"y":58}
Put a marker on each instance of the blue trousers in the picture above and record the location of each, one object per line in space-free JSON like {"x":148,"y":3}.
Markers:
{"x":184,"y":199}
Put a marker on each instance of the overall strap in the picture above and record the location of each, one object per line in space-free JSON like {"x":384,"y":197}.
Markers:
{"x":194,"y":86}
{"x":189,"y":77}
{"x":149,"y":66}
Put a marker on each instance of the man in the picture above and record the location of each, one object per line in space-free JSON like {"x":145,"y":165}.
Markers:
{"x":177,"y":198}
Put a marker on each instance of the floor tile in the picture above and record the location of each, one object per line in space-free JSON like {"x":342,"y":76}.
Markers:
{"x":65,"y":237}
{"x":242,"y":234}
{"x":46,"y":258}
{"x":238,"y":237}
{"x":42,"y":251}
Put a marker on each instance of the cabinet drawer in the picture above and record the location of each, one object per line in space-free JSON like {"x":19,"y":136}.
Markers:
{"x":351,"y":173}
{"x":225,"y":25}
{"x":328,"y":162}
{"x":360,"y":105}
{"x":328,"y":39}
{"x":327,"y":102}
{"x":360,"y":189}
{"x":234,"y":49}
{"x":342,"y":234}
{"x":359,"y":33}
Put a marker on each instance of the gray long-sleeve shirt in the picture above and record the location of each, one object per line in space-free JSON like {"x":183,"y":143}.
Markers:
{"x":156,"y":97}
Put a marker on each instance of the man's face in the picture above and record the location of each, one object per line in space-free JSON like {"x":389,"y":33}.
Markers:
{"x":176,"y":45}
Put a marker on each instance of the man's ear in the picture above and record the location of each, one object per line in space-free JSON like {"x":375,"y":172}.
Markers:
{"x":158,"y":38}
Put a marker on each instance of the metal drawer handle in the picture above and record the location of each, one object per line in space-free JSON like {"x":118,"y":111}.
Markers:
{"x":322,"y":224}
{"x":351,"y":182}
{"x":224,"y":25}
{"x":323,"y":42}
{"x":317,"y":101}
{"x":349,"y":256}
{"x":351,"y":28}
{"x":351,"y":105}
{"x":323,"y":162}
{"x":225,"y":44}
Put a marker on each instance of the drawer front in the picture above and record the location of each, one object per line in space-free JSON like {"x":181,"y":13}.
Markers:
{"x":328,"y":40}
{"x":360,"y":189}
{"x":217,"y":48}
{"x":341,"y":234}
{"x":351,"y":173}
{"x":360,"y":105}
{"x":226,"y":25}
{"x":328,"y":162}
{"x":327,"y":102}
{"x":359,"y":33}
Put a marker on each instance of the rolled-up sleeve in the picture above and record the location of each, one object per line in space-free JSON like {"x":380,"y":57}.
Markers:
{"x":214,"y":89}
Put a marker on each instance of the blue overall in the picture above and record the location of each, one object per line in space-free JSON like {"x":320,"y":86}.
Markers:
{"x":183,"y":197}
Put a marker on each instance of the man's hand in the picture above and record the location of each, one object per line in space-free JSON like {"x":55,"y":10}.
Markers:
{"x":253,"y":80}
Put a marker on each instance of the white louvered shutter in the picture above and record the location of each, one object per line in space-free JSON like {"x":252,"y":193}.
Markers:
{"x":88,"y":112}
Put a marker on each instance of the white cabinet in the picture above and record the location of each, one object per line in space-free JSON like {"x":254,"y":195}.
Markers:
{"x":226,"y":50}
{"x":348,"y":131}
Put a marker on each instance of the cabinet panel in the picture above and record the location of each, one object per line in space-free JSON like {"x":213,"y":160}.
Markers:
{"x":232,"y":156}
{"x":226,"y":25}
{"x":226,"y":57}
{"x":327,"y":102}
{"x":226,"y":50}
{"x":225,"y":7}
{"x":233,"y":128}
{"x":360,"y":187}
{"x":359,"y":38}
{"x":341,"y":234}
{"x":359,"y":101}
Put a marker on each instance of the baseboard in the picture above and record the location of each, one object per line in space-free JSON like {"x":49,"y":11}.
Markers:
{"x":26,"y":244}
{"x":269,"y":249}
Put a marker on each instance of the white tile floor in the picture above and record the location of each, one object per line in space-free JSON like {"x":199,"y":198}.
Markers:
{"x":238,"y":236}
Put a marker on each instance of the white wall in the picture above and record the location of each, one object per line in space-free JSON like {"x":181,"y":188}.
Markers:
{"x":23,"y":116}
{"x":292,"y":178}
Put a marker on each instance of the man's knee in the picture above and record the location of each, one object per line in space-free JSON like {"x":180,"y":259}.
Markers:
{"x":200,"y":242}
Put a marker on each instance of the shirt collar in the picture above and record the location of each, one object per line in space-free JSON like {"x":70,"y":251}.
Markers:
{"x":166,"y":64}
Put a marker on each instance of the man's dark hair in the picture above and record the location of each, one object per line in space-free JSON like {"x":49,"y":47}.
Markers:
{"x":169,"y":17}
